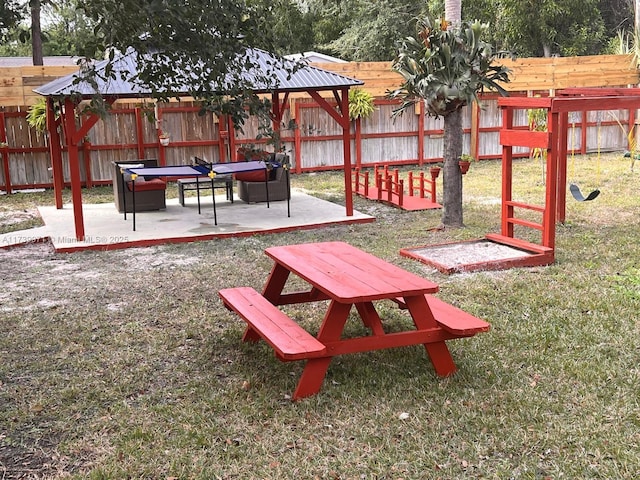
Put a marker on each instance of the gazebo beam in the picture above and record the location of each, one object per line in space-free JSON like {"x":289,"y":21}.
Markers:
{"x":72,"y":136}
{"x":342,"y":117}
{"x":55,"y":150}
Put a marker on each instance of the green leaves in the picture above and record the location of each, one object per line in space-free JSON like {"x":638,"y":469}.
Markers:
{"x":198,"y":48}
{"x":446,"y":67}
{"x":360,"y":103}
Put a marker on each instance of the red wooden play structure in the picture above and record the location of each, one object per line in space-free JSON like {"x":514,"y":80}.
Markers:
{"x":388,"y":187}
{"x":554,"y":141}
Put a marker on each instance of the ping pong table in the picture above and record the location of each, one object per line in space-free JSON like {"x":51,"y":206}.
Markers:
{"x":196,"y":171}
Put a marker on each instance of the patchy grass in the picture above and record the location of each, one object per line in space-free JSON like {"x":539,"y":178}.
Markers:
{"x":124,"y":364}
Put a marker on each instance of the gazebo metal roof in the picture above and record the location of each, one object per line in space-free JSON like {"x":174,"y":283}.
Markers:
{"x":304,"y":78}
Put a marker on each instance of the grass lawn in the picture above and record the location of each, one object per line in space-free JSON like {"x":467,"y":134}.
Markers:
{"x":125,"y":364}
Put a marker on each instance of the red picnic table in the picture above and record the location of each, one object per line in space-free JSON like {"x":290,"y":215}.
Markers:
{"x":346,"y":277}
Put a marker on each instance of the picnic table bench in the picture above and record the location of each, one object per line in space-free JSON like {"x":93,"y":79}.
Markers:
{"x":289,"y":340}
{"x":347,"y":277}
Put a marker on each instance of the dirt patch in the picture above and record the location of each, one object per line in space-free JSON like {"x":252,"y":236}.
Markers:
{"x":14,"y":217}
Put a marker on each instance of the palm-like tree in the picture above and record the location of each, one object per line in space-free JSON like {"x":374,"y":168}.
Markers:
{"x":446,"y":67}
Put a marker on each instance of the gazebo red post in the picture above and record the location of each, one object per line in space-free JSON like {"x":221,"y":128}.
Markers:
{"x":73,"y":137}
{"x":74,"y":166}
{"x":277,"y":112}
{"x":139,"y":132}
{"x":342,"y":117}
{"x":223,"y":139}
{"x":346,"y":145}
{"x":231,"y":130}
{"x":563,"y":136}
{"x":55,"y":150}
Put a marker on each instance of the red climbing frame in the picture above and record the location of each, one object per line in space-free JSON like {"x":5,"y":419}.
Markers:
{"x":554,"y":141}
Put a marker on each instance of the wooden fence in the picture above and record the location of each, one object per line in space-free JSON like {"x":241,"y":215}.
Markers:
{"x":316,"y":143}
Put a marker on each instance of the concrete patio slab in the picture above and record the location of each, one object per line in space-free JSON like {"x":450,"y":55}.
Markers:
{"x":106,"y":229}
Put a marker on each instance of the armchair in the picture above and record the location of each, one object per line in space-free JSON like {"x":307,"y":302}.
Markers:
{"x":278,"y":184}
{"x":150,"y":194}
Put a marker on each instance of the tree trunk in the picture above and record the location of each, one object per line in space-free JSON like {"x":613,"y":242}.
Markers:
{"x":451,"y":175}
{"x":36,"y":33}
{"x":453,"y":11}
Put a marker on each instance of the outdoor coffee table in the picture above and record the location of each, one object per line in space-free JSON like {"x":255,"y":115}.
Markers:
{"x":346,"y":277}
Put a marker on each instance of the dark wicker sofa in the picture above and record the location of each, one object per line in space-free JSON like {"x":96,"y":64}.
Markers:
{"x":150,"y":193}
{"x":255,"y":191}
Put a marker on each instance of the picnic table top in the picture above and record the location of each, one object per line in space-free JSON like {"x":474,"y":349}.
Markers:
{"x":348,"y":274}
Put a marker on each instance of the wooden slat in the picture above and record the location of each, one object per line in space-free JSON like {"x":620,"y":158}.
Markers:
{"x":525,"y":138}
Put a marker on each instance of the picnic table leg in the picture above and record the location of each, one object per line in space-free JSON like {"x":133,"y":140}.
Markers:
{"x":370,"y":317}
{"x":213,"y":197}
{"x":316,"y":368}
{"x":438,"y":351}
{"x":275,"y":283}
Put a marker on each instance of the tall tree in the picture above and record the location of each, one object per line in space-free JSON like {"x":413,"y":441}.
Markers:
{"x":289,"y":26}
{"x":361,"y":30}
{"x":11,"y":12}
{"x":200,"y":46}
{"x":550,"y":27}
{"x":35,"y":6}
{"x":452,"y":214}
{"x":446,"y":67}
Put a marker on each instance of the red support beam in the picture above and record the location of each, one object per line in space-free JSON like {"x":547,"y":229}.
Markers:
{"x":549,"y":216}
{"x":421,"y":134}
{"x":72,"y":135}
{"x":55,"y":150}
{"x":139,"y":132}
{"x":342,"y":117}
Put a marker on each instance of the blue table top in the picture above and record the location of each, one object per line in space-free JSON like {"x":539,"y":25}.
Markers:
{"x":198,"y":170}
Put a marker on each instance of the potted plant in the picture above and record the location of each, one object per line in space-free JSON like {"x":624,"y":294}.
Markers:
{"x":465,"y":162}
{"x":164,"y":138}
{"x":360,"y":104}
{"x":434,"y":170}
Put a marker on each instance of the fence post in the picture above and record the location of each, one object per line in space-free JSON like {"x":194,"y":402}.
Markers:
{"x":421,"y":134}
{"x":5,"y":155}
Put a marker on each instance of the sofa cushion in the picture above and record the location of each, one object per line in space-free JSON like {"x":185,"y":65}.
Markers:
{"x":253,"y":176}
{"x":147,"y":185}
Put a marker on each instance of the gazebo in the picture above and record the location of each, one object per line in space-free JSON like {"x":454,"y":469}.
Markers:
{"x":70,"y":90}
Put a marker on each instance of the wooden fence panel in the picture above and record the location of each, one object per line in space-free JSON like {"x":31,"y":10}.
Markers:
{"x":126,"y":134}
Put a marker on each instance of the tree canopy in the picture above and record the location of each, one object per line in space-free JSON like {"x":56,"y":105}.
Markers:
{"x":357,"y":30}
{"x":199,"y":49}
